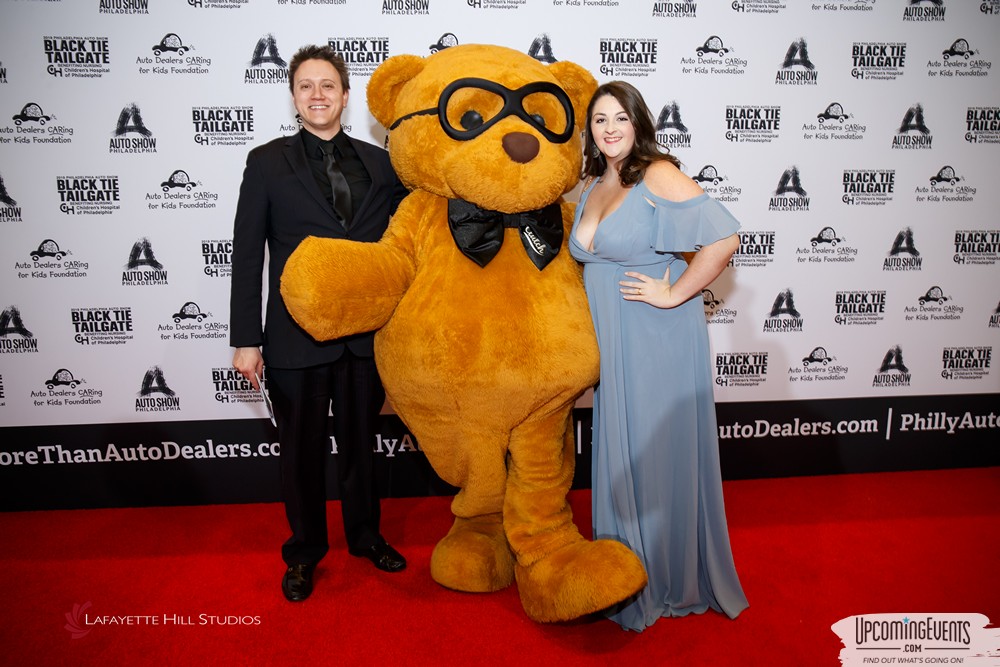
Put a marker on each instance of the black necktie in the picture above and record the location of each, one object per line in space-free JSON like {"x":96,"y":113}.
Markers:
{"x":341,"y":191}
{"x":478,"y":232}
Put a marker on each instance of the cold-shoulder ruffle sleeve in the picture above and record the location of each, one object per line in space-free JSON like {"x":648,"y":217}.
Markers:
{"x":688,"y":225}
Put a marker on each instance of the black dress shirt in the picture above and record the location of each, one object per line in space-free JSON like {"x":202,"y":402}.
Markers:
{"x":354,"y":170}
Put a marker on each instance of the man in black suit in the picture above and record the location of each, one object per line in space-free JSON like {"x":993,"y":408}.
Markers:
{"x":319,"y":182}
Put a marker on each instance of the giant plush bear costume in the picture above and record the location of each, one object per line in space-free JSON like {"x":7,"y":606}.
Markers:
{"x":483,"y":348}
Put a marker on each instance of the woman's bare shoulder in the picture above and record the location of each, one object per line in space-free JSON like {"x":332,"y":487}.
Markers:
{"x":667,"y":181}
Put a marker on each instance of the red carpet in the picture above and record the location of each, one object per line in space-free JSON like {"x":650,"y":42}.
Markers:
{"x":810,"y":551}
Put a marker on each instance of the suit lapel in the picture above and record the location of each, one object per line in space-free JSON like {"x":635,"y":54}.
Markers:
{"x":373,"y":173}
{"x":295,"y":153}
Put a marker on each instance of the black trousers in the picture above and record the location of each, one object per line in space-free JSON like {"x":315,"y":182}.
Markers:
{"x":302,"y":398}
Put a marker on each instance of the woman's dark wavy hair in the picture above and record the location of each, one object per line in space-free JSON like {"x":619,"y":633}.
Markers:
{"x":645,"y":151}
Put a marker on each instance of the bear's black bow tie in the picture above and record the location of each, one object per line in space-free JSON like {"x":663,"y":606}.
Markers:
{"x":478,"y":233}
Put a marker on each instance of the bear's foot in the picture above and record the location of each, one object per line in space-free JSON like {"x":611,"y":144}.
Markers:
{"x":474,"y":556}
{"x":579,"y":579}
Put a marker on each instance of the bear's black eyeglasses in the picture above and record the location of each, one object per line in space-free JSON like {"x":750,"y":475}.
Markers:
{"x":513,"y":105}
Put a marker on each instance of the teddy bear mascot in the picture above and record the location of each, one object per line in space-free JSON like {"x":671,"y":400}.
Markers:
{"x":484,"y":336}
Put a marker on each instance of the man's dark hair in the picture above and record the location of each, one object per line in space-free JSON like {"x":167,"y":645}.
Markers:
{"x":314,"y":52}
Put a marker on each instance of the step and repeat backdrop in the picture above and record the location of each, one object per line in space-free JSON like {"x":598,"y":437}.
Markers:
{"x":857,"y":141}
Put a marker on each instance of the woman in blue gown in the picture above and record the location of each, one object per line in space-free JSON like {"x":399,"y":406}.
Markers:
{"x":657,"y":485}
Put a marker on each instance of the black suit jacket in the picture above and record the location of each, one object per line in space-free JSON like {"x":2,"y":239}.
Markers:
{"x":280,"y":204}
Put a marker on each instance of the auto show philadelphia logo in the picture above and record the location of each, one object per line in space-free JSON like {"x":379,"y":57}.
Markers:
{"x":903,"y":254}
{"x":155,"y":395}
{"x":913,"y":133}
{"x":142,"y":267}
{"x":924,"y":10}
{"x":9,"y":210}
{"x":15,"y":338}
{"x":123,"y":6}
{"x":406,"y":7}
{"x":797,"y":69}
{"x":784,"y":317}
{"x":131,"y":134}
{"x":790,"y":195}
{"x":266,"y":64}
{"x":688,"y":9}
{"x":892,"y":372}
{"x":670,"y":128}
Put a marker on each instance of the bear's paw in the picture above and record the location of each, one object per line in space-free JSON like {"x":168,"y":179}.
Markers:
{"x":474,"y":556}
{"x":579,"y":579}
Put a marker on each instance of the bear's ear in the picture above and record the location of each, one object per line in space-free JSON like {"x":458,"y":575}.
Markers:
{"x":578,"y":84}
{"x":387,"y":82}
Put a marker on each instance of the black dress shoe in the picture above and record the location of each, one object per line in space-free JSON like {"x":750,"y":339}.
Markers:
{"x":297,"y":583}
{"x":383,"y":556}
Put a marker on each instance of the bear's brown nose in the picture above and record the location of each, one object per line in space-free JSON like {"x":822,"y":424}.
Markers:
{"x":521,"y":147}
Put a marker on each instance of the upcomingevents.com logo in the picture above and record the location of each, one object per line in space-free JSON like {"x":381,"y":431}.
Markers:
{"x":926,"y":638}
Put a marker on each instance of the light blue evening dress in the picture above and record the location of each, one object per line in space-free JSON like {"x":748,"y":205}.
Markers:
{"x":657,"y":485}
